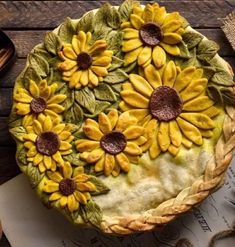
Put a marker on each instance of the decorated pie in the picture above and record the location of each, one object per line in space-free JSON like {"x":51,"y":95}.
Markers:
{"x":124,"y":118}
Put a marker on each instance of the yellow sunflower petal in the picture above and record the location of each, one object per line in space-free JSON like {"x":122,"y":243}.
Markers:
{"x":131,"y":56}
{"x":159,"y":15}
{"x":76,"y":44}
{"x":152,"y":76}
{"x":84,"y":79}
{"x":164,"y":136}
{"x":33,"y":88}
{"x":130,"y":45}
{"x":57,"y":157}
{"x":58,"y":128}
{"x":124,"y":121}
{"x":211,"y":112}
{"x":41,"y":167}
{"x":148,"y":13}
{"x":47,"y":162}
{"x":198,"y":104}
{"x":37,"y":127}
{"x":134,"y":132}
{"x":51,"y":186}
{"x":169,"y":74}
{"x":184,"y":78}
{"x":137,"y":10}
{"x":206,"y":133}
{"x":28,"y":120}
{"x":130,"y":33}
{"x":56,"y":108}
{"x":123,"y":162}
{"x":83,"y":145}
{"x":102,"y":61}
{"x":22,"y":97}
{"x":141,"y":85}
{"x":200,"y":120}
{"x":135,"y":99}
{"x":124,"y":106}
{"x":32,"y":151}
{"x":139,"y":113}
{"x":80,"y":197}
{"x":74,"y":80}
{"x":159,"y":56}
{"x":63,"y":201}
{"x":88,"y":186}
{"x":140,"y":140}
{"x":173,"y":50}
{"x":55,"y":196}
{"x":93,"y":79}
{"x":171,"y":38}
{"x":23,"y":109}
{"x":67,"y":65}
{"x":56,"y":99}
{"x":154,"y":149}
{"x":92,"y":122}
{"x":171,"y":26}
{"x":109,"y":164}
{"x":188,"y":144}
{"x":194,"y":89}
{"x":64,"y":145}
{"x":99,"y":165}
{"x":190,"y":131}
{"x":104,"y":123}
{"x":72,"y":203}
{"x":55,"y":176}
{"x":175,"y":134}
{"x":173,"y":150}
{"x":150,"y":130}
{"x":113,"y":117}
{"x":144,"y":55}
{"x":69,"y":53}
{"x":171,"y":17}
{"x":30,"y":137}
{"x":47,"y":125}
{"x":116,"y":170}
{"x":99,"y":71}
{"x":98,"y":47}
{"x":82,"y":40}
{"x":92,"y":132}
{"x":132,"y":149}
{"x":95,"y":155}
{"x":136,"y":21}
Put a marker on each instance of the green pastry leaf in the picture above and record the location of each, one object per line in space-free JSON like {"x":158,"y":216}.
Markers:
{"x":21,"y":155}
{"x":215,"y":93}
{"x":91,"y":213}
{"x":206,"y":50}
{"x":192,"y":39}
{"x":113,"y":19}
{"x":125,"y":10}
{"x":52,"y":43}
{"x":223,"y":78}
{"x":39,"y":64}
{"x":86,"y":23}
{"x":117,"y":87}
{"x":104,"y":92}
{"x":74,"y":115}
{"x":114,"y":41}
{"x":18,"y":132}
{"x":208,"y":72}
{"x":116,"y":76}
{"x":129,"y":68}
{"x":116,"y":63}
{"x":100,"y":106}
{"x":86,"y":99}
{"x":31,"y":74}
{"x":228,"y":95}
{"x":74,"y":159}
{"x":184,"y":52}
{"x":42,"y":52}
{"x":67,"y":30}
{"x":34,"y":175}
{"x":101,"y":188}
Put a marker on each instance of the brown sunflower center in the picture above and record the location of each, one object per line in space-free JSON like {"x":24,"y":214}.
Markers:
{"x":67,"y":186}
{"x":165,"y":104}
{"x":151,"y":34}
{"x":113,"y":142}
{"x":47,"y":143}
{"x":38,"y":105}
{"x":84,"y":61}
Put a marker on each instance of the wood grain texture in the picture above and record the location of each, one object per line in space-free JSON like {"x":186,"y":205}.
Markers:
{"x":48,"y":14}
{"x":5,"y":138}
{"x":25,"y":40}
{"x":5,"y":101}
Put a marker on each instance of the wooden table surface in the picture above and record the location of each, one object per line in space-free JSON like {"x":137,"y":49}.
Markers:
{"x":27,"y":21}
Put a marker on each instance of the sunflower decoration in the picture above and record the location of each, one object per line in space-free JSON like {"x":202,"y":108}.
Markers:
{"x":113,"y":142}
{"x":69,"y":188}
{"x":151,"y":33}
{"x":39,"y":100}
{"x":172,"y":106}
{"x":84,"y":64}
{"x":47,"y":141}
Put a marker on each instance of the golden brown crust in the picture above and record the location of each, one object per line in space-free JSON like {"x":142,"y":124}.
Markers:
{"x":189,"y":197}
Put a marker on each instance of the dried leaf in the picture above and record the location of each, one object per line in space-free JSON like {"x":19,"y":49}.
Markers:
{"x":116,"y":63}
{"x":192,"y":39}
{"x":223,"y":78}
{"x":206,"y":50}
{"x":184,"y":52}
{"x":104,"y":92}
{"x":21,"y":155}
{"x":67,"y":30}
{"x":125,"y":10}
{"x":30,"y":74}
{"x":113,"y":19}
{"x":74,"y":115}
{"x":100,"y":106}
{"x":91,"y":213}
{"x":74,"y":159}
{"x":39,"y":64}
{"x":114,"y":41}
{"x":86,"y":23}
{"x":86,"y":99}
{"x":34,"y":175}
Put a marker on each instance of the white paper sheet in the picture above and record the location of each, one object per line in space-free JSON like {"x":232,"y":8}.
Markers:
{"x":27,"y":223}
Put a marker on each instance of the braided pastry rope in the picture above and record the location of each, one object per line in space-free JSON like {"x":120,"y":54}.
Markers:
{"x":188,"y":198}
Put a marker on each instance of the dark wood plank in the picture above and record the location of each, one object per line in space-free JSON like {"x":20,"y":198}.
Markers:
{"x":48,"y":14}
{"x":8,"y":166}
{"x":5,"y":101}
{"x":5,"y":138}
